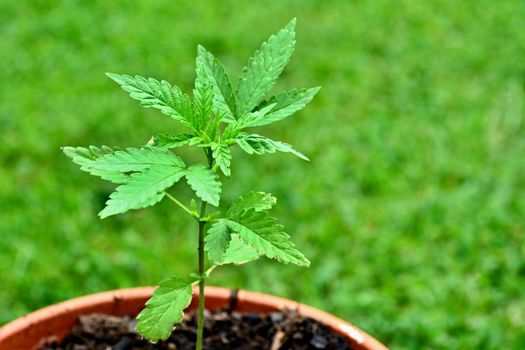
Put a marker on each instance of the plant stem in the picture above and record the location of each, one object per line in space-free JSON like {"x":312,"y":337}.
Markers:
{"x":182,"y":206}
{"x":206,"y":273}
{"x":202,"y":274}
{"x":200,"y":314}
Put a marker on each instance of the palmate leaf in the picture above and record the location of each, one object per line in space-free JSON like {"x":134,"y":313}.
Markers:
{"x":222,"y":155}
{"x":285,"y":104}
{"x":262,"y":233}
{"x":85,"y":157}
{"x":165,"y":308}
{"x":205,"y":182}
{"x":224,"y":100}
{"x":213,"y":127}
{"x":217,"y":240}
{"x":203,"y":99}
{"x":263,"y":69}
{"x":166,"y":141}
{"x":257,"y":201}
{"x":160,"y":95}
{"x":136,"y":159}
{"x":250,"y":119}
{"x":142,"y":190}
{"x":238,"y":252}
{"x":257,"y":144}
{"x":223,"y":247}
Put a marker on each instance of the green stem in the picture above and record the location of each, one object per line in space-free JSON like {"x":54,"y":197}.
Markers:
{"x":200,"y":315}
{"x":206,"y":273}
{"x":182,"y":206}
{"x":202,"y":273}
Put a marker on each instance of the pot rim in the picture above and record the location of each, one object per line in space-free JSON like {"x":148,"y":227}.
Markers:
{"x":246,"y":299}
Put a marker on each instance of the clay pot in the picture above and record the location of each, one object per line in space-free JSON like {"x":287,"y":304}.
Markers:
{"x":27,"y":332}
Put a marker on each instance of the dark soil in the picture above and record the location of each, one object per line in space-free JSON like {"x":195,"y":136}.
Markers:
{"x":223,"y":330}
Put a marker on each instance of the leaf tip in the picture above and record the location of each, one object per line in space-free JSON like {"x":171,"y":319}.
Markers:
{"x":302,"y":261}
{"x":112,"y":76}
{"x":201,"y":49}
{"x":68,"y":151}
{"x":104,"y":213}
{"x":305,"y":158}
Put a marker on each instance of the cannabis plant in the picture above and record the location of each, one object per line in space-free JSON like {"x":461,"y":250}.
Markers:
{"x":216,"y":118}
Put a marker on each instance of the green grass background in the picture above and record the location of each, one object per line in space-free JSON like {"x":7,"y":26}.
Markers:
{"x":411,"y":211}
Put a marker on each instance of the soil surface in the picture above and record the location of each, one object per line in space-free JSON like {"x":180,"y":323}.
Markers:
{"x":223,"y":330}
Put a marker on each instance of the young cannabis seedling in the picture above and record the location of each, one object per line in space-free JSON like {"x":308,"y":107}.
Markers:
{"x":217,"y":118}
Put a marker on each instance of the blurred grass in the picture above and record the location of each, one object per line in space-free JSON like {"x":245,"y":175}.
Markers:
{"x":412,"y":210}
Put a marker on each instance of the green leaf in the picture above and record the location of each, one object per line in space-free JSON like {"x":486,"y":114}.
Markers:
{"x":224,"y":100}
{"x":193,"y":206}
{"x":262,"y":233}
{"x":143,"y":189}
{"x":217,"y":240}
{"x":137,"y":159}
{"x":260,"y":145}
{"x":165,"y":308}
{"x":238,"y":252}
{"x":203,"y":99}
{"x":213,"y":126}
{"x":205,"y":182}
{"x":160,"y":95}
{"x":285,"y":104}
{"x":222,"y":155}
{"x":258,"y":201}
{"x":263,"y":69}
{"x":252,"y":118}
{"x":167,"y":141}
{"x":226,"y":248}
{"x":85,"y":157}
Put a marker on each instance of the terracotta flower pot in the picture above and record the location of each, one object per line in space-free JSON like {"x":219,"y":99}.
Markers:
{"x":27,"y":332}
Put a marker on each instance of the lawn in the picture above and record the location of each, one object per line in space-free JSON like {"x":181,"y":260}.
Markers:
{"x":412,"y":210}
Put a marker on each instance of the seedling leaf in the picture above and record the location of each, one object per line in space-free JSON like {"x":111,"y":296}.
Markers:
{"x":223,"y":247}
{"x":137,"y":159}
{"x":238,"y":252}
{"x":166,"y":141}
{"x":224,"y":100}
{"x":160,"y":95}
{"x":257,"y":144}
{"x":263,"y":69}
{"x":222,"y":155}
{"x":143,"y":189}
{"x":262,"y":233}
{"x":217,"y":240}
{"x":165,"y":308}
{"x":251,"y":119}
{"x":205,"y":182}
{"x":258,"y":201}
{"x":285,"y":104}
{"x":85,"y":157}
{"x":203,"y":99}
